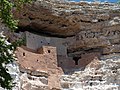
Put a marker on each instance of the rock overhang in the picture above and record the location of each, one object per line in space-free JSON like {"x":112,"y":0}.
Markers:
{"x":66,"y":18}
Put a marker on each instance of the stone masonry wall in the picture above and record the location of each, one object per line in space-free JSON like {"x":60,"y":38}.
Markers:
{"x":37,"y":65}
{"x":34,"y":41}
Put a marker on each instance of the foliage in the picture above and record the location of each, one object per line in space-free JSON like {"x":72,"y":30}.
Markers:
{"x":6,"y":15}
{"x":118,"y":1}
{"x":6,"y":48}
{"x":6,"y":56}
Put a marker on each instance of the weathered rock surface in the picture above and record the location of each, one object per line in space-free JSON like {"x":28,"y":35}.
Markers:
{"x":105,"y":77}
{"x":107,"y":39}
{"x":68,"y":18}
{"x":86,"y":25}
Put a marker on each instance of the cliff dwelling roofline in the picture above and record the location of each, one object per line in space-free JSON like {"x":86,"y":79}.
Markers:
{"x":41,"y":32}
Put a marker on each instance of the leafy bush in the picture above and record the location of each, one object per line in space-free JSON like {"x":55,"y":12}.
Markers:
{"x":6,"y":48}
{"x":6,"y":56}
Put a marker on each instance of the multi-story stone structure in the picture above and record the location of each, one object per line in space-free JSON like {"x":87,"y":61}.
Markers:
{"x":74,"y":36}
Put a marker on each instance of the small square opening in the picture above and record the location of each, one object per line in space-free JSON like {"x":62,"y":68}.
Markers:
{"x":23,"y":53}
{"x":48,"y":51}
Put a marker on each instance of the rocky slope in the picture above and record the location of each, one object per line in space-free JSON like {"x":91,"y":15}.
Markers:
{"x":104,"y":77}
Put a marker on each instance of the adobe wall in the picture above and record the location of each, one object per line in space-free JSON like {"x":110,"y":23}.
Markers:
{"x":37,"y":65}
{"x":88,"y":58}
{"x":36,"y":41}
{"x":68,"y":64}
{"x":31,"y":60}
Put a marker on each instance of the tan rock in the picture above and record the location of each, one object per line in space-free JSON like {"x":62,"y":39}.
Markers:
{"x":39,"y":65}
{"x":68,"y":18}
{"x":111,"y":49}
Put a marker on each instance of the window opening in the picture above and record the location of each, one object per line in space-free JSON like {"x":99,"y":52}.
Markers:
{"x":23,"y":53}
{"x":76,"y":59}
{"x":48,"y":51}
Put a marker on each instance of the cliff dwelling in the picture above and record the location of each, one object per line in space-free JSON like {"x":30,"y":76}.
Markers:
{"x":69,"y":45}
{"x":34,"y":41}
{"x":37,"y":44}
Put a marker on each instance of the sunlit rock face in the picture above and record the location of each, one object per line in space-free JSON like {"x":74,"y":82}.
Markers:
{"x":29,"y":82}
{"x":106,"y":77}
{"x":13,"y":69}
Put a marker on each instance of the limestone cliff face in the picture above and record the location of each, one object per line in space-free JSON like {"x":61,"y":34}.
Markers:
{"x":90,"y":25}
{"x":68,"y":18}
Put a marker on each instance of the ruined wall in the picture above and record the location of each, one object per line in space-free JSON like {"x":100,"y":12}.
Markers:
{"x":38,"y":69}
{"x":34,"y":41}
{"x":98,"y":75}
{"x":71,"y":64}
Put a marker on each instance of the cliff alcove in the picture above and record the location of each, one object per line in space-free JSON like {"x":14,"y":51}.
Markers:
{"x":69,"y":45}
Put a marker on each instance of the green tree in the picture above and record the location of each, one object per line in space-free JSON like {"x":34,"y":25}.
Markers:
{"x":7,"y":49}
{"x":6,"y":15}
{"x":6,"y":56}
{"x":118,"y":1}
